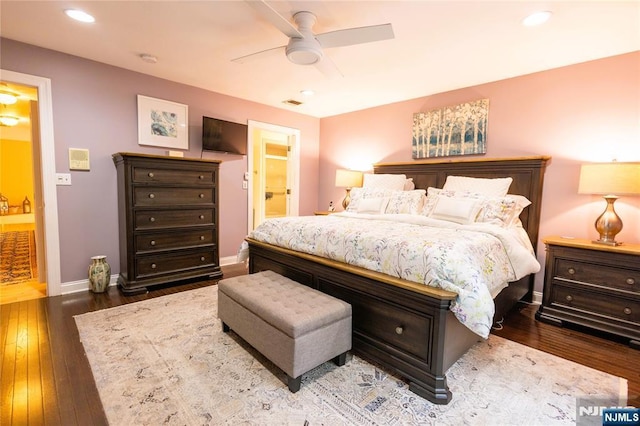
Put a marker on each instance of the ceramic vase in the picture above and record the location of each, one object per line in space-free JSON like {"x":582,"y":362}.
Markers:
{"x":99,"y":274}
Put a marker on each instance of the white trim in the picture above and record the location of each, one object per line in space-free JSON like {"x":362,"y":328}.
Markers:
{"x":48,"y":162}
{"x":84,"y":285}
{"x":228,"y":260}
{"x":537,"y":298}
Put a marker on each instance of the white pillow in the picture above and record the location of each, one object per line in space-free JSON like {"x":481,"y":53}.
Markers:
{"x":384,"y":181}
{"x":497,"y":187}
{"x":373,"y":205}
{"x":458,"y":210}
{"x":409,"y":185}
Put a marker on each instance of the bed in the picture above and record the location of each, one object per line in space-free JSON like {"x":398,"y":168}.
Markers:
{"x":405,"y":326}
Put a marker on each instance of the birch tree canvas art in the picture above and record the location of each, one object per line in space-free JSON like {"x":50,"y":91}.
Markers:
{"x":454,"y":130}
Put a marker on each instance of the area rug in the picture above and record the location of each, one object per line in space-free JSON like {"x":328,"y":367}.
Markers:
{"x":17,"y":257}
{"x":167,"y":361}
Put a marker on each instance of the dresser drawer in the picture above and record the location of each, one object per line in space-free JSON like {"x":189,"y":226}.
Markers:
{"x":147,"y":266}
{"x":156,"y":219}
{"x":173,"y":240}
{"x":166,"y":196}
{"x":180,"y":176}
{"x":593,"y":273}
{"x":608,"y":305}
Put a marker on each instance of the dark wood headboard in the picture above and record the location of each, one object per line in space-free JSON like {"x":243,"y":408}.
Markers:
{"x":527,"y":174}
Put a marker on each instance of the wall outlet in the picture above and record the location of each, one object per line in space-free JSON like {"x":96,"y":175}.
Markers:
{"x":244,"y":184}
{"x":63,"y":178}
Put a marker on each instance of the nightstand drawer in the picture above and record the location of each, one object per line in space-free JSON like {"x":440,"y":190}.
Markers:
{"x":596,"y":303}
{"x":593,"y":273}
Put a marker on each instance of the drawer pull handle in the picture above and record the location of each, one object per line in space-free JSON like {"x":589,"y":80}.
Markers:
{"x":200,"y":177}
{"x":571,"y":271}
{"x":153,"y":266}
{"x":152,"y":219}
{"x":202,"y":258}
{"x":627,"y":311}
{"x":201,"y":237}
{"x":399,"y":330}
{"x":201,"y":195}
{"x":152,"y":195}
{"x":150,"y":174}
{"x":153,"y":242}
{"x":569,"y":298}
{"x":201,"y":216}
{"x":631,"y":281}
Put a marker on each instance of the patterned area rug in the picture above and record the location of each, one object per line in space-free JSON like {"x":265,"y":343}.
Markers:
{"x":17,"y":263}
{"x":167,"y":361}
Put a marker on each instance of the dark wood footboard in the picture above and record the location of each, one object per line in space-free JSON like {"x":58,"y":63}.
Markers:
{"x":405,"y":327}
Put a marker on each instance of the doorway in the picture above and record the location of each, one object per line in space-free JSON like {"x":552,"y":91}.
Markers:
{"x":273,"y":179}
{"x":41,"y":217}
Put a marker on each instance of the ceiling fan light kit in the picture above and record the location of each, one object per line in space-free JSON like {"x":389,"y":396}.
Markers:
{"x":305,"y":47}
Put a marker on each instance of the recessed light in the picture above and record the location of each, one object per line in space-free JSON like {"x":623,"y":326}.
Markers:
{"x":537,"y":18}
{"x":307,"y":92}
{"x":79,"y":15}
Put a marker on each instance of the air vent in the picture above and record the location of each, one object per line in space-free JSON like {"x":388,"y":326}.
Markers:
{"x":292,"y":102}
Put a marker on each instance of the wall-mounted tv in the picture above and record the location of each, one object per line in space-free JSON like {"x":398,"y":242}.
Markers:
{"x":224,"y":136}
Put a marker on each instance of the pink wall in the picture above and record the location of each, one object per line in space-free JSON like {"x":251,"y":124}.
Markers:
{"x":581,"y":113}
{"x":94,"y":107}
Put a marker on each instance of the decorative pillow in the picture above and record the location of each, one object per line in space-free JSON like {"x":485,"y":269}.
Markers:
{"x":502,"y":211}
{"x":406,"y":202}
{"x":384,"y":181}
{"x":375,"y":205}
{"x":489,"y":187}
{"x":359,"y":194}
{"x":458,"y":210}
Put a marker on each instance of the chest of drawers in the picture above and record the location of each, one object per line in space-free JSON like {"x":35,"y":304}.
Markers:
{"x":168,"y":219}
{"x":593,"y":285}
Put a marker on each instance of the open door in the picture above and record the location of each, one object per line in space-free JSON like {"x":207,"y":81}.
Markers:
{"x":273,"y":178}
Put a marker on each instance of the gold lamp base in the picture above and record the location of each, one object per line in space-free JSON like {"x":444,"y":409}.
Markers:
{"x":347,"y":199}
{"x":608,"y":224}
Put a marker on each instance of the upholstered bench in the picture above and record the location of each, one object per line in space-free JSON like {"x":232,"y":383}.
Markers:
{"x":294,"y":326}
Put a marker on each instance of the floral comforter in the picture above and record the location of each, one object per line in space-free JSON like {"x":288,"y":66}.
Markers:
{"x":474,"y":261}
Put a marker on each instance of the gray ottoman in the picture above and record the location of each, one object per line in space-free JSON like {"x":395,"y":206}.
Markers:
{"x":295,"y":327}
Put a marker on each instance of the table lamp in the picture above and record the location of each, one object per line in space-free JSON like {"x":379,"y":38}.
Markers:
{"x":348,"y":179}
{"x":609,"y":179}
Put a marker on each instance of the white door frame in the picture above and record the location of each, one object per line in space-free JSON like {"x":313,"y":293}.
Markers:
{"x":48,"y":173}
{"x":294,"y":137}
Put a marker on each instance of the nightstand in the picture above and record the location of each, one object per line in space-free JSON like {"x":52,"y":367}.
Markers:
{"x":592,"y":285}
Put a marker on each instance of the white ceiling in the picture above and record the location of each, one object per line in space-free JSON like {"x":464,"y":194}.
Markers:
{"x":438,"y":45}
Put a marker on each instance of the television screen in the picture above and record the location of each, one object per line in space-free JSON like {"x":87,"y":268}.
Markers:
{"x":224,"y":136}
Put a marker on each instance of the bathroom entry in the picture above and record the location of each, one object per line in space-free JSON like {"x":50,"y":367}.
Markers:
{"x":273,"y":180}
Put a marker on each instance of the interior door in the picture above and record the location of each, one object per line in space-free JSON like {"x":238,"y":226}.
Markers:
{"x":276,"y":184}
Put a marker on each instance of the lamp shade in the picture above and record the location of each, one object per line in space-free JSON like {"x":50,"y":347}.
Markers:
{"x":348,"y":178}
{"x":610,"y":178}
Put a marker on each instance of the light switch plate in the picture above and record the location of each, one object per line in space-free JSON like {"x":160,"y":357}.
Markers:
{"x":79,"y":159}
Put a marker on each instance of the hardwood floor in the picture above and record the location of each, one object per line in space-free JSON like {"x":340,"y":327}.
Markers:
{"x":45,"y":377}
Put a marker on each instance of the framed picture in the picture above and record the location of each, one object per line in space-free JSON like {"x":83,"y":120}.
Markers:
{"x":162,"y":123}
{"x":454,"y":130}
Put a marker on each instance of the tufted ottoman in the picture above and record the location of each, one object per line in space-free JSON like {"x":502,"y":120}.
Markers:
{"x":295,"y":327}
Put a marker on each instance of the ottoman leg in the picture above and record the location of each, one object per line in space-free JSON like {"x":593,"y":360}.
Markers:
{"x":340,"y":359}
{"x":225,"y":328}
{"x":294,"y":384}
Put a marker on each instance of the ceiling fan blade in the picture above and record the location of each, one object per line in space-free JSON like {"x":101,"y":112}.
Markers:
{"x":353,"y":36}
{"x":327,"y":67}
{"x":257,"y":55}
{"x":277,"y":20}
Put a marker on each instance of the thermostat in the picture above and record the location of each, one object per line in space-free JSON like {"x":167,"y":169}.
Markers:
{"x":78,"y":159}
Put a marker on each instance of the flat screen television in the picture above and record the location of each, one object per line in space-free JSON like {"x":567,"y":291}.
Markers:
{"x":224,"y":136}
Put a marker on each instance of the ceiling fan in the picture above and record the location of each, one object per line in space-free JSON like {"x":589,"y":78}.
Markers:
{"x":305,"y":47}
